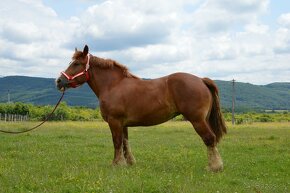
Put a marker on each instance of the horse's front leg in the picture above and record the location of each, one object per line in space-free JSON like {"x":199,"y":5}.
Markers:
{"x":126,"y":148}
{"x":117,"y":136}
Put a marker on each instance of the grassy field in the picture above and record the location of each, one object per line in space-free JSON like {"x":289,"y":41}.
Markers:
{"x":76,"y":157}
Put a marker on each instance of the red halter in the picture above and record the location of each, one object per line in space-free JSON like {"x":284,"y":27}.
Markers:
{"x":72,"y":82}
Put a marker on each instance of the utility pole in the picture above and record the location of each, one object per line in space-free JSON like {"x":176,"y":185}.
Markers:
{"x":233,"y":101}
{"x":8,"y":96}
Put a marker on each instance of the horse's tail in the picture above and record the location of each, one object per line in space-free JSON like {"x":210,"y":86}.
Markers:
{"x":216,"y":119}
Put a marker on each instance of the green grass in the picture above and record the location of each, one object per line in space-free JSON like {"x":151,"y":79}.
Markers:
{"x":76,"y":157}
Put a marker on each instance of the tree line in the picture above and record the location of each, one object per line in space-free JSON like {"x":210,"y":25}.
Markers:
{"x":250,"y":117}
{"x":39,"y":113}
{"x":65,"y":112}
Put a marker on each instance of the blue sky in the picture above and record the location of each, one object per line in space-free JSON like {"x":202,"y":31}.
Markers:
{"x":276,"y":8}
{"x":248,"y":40}
{"x":68,"y":8}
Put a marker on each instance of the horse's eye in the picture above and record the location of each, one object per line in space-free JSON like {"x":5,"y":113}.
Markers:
{"x":76,"y":64}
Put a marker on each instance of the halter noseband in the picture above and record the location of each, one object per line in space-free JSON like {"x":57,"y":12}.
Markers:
{"x":72,"y":82}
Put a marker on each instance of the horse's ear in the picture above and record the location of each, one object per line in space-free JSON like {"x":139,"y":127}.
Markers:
{"x":86,"y":50}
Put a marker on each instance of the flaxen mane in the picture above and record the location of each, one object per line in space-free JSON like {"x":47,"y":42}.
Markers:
{"x":106,"y":63}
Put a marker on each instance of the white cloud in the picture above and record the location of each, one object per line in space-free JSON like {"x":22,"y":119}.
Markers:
{"x":282,"y":35}
{"x":15,"y":32}
{"x":282,"y":41}
{"x":31,"y":37}
{"x":242,"y":6}
{"x":257,"y":28}
{"x":113,"y":25}
{"x":215,"y":16}
{"x":284,"y":20}
{"x":222,"y":39}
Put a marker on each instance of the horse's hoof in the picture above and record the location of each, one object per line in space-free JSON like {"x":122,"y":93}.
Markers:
{"x":215,"y":169}
{"x":131,"y":161}
{"x":121,"y":162}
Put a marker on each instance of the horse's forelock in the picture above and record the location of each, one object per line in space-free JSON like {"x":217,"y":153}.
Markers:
{"x":77,"y":55}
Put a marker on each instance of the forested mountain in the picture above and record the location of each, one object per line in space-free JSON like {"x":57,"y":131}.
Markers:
{"x":42,"y":91}
{"x":274,"y":96}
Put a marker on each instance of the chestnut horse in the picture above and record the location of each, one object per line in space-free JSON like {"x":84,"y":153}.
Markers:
{"x":126,"y":100}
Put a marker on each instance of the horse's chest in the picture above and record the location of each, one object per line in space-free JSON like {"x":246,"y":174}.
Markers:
{"x":111,"y":109}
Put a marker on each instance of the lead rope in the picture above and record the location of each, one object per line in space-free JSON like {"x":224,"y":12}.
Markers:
{"x":46,"y":119}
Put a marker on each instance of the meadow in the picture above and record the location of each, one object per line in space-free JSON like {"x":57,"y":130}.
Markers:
{"x":76,"y":157}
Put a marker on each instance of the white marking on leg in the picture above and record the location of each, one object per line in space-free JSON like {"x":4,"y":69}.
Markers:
{"x":215,"y":162}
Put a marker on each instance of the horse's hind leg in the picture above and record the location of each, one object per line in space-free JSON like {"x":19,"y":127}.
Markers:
{"x":126,"y":148}
{"x":214,"y":159}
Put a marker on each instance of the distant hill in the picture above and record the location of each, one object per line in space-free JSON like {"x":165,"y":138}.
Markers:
{"x":42,"y":91}
{"x":274,"y":96}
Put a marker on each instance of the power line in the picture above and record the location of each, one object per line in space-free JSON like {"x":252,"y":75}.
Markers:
{"x":8,"y":96}
{"x":233,"y":101}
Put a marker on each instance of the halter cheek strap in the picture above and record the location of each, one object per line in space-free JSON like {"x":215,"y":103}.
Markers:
{"x":72,"y":82}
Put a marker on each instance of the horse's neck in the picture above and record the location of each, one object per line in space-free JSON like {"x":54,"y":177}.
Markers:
{"x":102,"y":80}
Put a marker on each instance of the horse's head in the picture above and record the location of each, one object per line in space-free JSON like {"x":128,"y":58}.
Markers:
{"x":77,"y":72}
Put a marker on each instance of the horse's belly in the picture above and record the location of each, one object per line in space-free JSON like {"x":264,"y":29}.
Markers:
{"x":150,"y":117}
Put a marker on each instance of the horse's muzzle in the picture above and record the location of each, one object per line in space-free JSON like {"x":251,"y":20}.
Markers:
{"x":61,"y":83}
